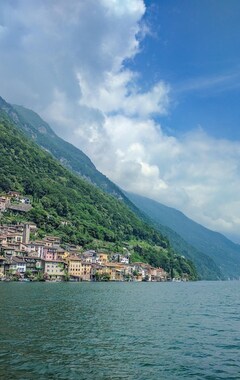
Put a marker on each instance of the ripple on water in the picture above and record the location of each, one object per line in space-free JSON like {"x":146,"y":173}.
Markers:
{"x":120,"y":331}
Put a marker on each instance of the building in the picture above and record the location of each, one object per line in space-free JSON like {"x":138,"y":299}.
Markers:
{"x":4,"y":203}
{"x":102,"y":258}
{"x":54,"y":269}
{"x":108,"y":271}
{"x":78,"y":268}
{"x":33,"y":264}
{"x":18,"y":265}
{"x":2,"y":266}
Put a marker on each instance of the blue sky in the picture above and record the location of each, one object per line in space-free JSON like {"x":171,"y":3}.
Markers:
{"x":147,"y":89}
{"x":195,"y":47}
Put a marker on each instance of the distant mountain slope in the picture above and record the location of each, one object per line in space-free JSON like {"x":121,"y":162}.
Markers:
{"x":70,"y":156}
{"x":66,"y":205}
{"x":206,"y":267}
{"x":221,"y":250}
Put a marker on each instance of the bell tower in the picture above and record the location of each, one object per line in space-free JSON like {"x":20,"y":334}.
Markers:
{"x":26,"y":233}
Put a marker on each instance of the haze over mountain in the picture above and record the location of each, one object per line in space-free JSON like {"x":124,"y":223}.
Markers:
{"x":221,"y":250}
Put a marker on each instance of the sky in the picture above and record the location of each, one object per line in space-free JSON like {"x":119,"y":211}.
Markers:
{"x":149,"y":90}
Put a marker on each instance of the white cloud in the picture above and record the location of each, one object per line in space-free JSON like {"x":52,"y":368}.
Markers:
{"x":198,"y":174}
{"x":117,"y":93}
{"x":66,"y":60}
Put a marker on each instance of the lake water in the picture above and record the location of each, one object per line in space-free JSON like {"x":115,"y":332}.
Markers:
{"x":142,"y":331}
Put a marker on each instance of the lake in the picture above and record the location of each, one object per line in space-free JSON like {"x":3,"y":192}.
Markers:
{"x":141,"y":331}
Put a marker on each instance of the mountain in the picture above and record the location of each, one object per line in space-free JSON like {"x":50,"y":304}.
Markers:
{"x":206,"y":267}
{"x":69,"y":156}
{"x":68,"y":206}
{"x":74,"y":159}
{"x":31,"y":124}
{"x":224,"y":253}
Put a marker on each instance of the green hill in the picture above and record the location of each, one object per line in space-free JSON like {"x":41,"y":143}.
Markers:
{"x":69,"y":156}
{"x":66,"y":205}
{"x":223,"y":252}
{"x":206,"y":267}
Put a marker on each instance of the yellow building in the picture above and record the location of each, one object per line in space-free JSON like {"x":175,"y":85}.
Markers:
{"x":79,"y":268}
{"x":115,"y":271}
{"x":103,"y":258}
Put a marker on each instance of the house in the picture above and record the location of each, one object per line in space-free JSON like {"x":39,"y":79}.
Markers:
{"x":14,"y":194}
{"x":35,"y":249}
{"x":2,"y":266}
{"x":13,"y":238}
{"x":102,"y":258}
{"x":112,"y":271}
{"x":140,"y":271}
{"x":117,"y":257}
{"x":54,"y":269}
{"x":18,"y":265}
{"x":124,"y":260}
{"x":52,"y":240}
{"x":61,"y":253}
{"x":3,"y":239}
{"x":78,"y":268}
{"x":158,"y":274}
{"x":4,"y":203}
{"x":9,"y":250}
{"x":86,"y":271}
{"x":33,"y":264}
{"x":50,"y":253}
{"x":74,"y":266}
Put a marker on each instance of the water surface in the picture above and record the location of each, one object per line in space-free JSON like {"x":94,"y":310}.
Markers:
{"x":142,"y":331}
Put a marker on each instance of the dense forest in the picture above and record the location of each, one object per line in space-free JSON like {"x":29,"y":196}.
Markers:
{"x":68,"y":206}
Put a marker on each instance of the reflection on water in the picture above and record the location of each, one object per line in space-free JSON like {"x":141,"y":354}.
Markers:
{"x":141,"y":331}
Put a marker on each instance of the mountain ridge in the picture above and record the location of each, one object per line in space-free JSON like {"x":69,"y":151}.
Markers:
{"x":74,"y":159}
{"x":67,"y":206}
{"x":224,"y":253}
{"x":69,"y":155}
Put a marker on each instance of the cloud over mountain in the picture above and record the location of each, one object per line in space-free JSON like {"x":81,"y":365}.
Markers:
{"x":69,"y":62}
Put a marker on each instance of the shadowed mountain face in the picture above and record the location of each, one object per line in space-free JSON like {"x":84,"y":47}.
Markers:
{"x":224,"y":253}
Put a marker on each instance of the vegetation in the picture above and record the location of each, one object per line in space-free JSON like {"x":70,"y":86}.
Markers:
{"x":70,"y":156}
{"x":66,"y":205}
{"x":165,"y":258}
{"x":215,"y":256}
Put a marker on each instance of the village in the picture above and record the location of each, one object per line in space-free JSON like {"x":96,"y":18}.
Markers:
{"x":25,"y":259}
{"x":46,"y":260}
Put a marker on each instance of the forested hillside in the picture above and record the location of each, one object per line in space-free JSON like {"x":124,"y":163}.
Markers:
{"x":68,"y":206}
{"x":69,"y":156}
{"x":220,"y":250}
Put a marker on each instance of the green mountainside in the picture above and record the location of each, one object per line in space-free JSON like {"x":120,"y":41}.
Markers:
{"x":74,"y":159}
{"x":69,"y":156}
{"x":78,"y":212}
{"x":31,"y":124}
{"x":206,"y":267}
{"x":215,"y":246}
